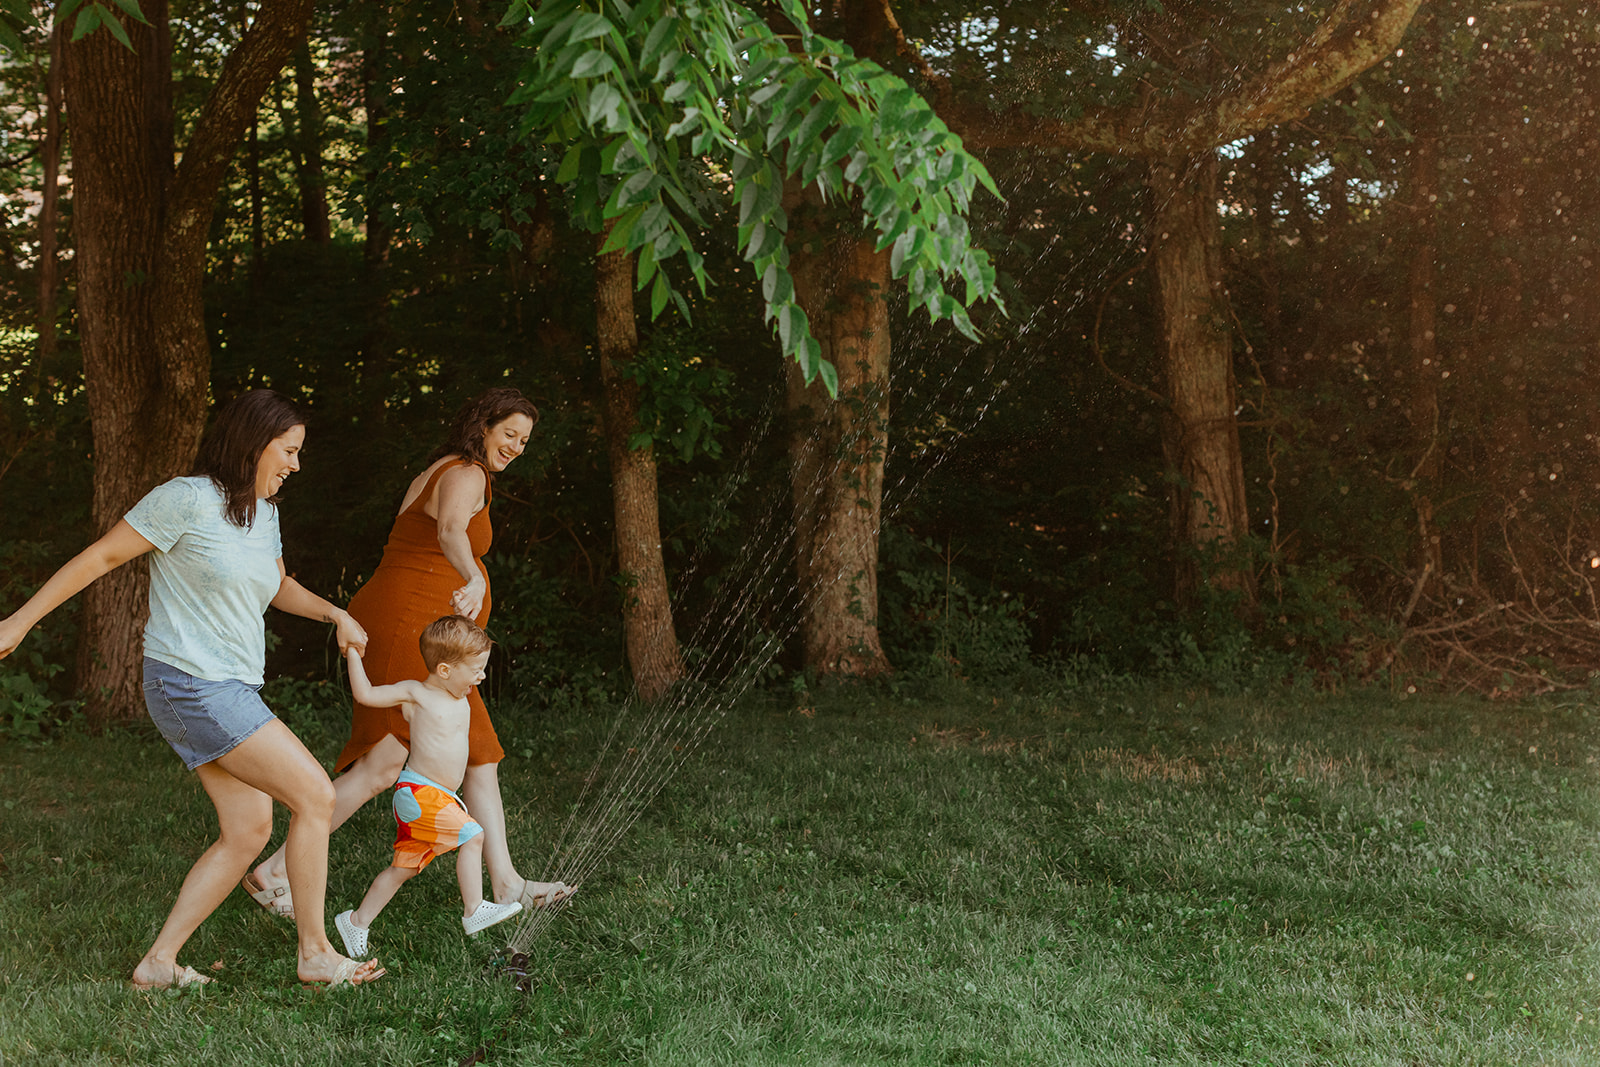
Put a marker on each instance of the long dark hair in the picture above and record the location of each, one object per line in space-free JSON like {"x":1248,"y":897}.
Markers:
{"x":240,"y":431}
{"x":465,"y":438}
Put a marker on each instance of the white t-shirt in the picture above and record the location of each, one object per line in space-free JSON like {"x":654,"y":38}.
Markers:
{"x":210,"y":581}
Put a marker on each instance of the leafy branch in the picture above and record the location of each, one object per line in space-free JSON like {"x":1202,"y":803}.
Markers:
{"x":642,"y":95}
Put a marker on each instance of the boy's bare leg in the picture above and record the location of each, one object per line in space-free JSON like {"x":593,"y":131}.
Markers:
{"x":469,"y":874}
{"x":382,"y":890}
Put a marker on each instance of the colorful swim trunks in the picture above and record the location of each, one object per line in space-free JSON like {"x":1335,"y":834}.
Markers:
{"x":430,"y":821}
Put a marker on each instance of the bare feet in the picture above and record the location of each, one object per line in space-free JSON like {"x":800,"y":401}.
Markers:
{"x":332,"y":969}
{"x":162,"y":974}
{"x":544,"y":894}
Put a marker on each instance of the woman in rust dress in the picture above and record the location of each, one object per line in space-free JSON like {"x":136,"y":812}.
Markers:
{"x":432,"y":566}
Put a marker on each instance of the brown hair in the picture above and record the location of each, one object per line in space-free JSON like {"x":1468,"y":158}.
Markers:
{"x":233,"y":443}
{"x":451,"y":639}
{"x":465,"y":438}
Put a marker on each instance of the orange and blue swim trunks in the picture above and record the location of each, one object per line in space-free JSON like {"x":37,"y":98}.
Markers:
{"x":430,"y":820}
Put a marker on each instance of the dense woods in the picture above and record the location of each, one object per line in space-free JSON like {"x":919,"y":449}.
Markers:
{"x":1291,"y":378}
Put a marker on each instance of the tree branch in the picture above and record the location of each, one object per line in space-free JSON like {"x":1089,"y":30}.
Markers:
{"x":1338,"y":51}
{"x":247,"y":73}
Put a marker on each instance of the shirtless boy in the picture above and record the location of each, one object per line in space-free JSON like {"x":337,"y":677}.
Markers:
{"x":431,"y":818}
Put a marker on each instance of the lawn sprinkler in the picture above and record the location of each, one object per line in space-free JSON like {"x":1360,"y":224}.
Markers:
{"x":513,"y":965}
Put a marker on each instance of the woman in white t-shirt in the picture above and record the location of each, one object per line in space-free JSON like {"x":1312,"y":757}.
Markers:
{"x":216,"y":564}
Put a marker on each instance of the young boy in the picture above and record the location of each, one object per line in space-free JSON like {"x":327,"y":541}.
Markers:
{"x":430,"y":816}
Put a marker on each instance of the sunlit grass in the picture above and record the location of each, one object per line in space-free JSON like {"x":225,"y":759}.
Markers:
{"x":1137,"y":876}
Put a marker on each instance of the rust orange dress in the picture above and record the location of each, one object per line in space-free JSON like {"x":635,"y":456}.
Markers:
{"x":410,"y":589}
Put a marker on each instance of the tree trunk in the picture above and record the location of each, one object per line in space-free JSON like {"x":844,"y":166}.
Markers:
{"x":308,"y":116}
{"x":1423,"y":408}
{"x":140,"y":230}
{"x":837,"y":446}
{"x":49,"y":204}
{"x":1501,"y":338}
{"x":647,"y":607}
{"x":377,"y":345}
{"x":1200,"y":437}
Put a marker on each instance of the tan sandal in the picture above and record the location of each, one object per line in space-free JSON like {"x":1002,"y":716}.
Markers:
{"x":349,"y":972}
{"x":181,"y":978}
{"x":275,"y":900}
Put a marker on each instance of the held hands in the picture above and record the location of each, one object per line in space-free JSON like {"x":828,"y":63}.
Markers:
{"x":350,"y":635}
{"x":468,"y":600}
{"x":11,"y":635}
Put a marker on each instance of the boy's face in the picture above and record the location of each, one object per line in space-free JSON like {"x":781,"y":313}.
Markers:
{"x":462,"y":675}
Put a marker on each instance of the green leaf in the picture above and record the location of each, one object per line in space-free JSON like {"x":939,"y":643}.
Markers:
{"x":109,"y":20}
{"x":819,"y":118}
{"x":656,"y":41}
{"x":604,"y":100}
{"x":593,"y":64}
{"x":691,"y":119}
{"x":658,"y":295}
{"x":570,"y":164}
{"x":764,"y":240}
{"x":131,"y":9}
{"x":858,"y":166}
{"x":841,"y":144}
{"x":758,"y":200}
{"x":826,"y":370}
{"x":88,"y":22}
{"x":621,"y":228}
{"x":791,"y":324}
{"x":878,"y":200}
{"x":777,"y":285}
{"x":647,"y":266}
{"x":590,"y":25}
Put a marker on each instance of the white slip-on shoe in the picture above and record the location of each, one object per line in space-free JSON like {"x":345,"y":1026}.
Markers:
{"x":488,"y":914}
{"x":355,"y":937}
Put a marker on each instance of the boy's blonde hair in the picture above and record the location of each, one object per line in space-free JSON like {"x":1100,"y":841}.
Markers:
{"x":451,"y":639}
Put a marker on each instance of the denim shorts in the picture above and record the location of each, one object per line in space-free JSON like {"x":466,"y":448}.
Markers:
{"x":201,"y":719}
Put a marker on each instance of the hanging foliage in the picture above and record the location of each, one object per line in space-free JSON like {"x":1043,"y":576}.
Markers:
{"x":641,"y":96}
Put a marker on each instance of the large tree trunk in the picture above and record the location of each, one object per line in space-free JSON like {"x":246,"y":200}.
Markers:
{"x":837,"y":446}
{"x":140,"y":230}
{"x":1423,"y":407}
{"x":1200,"y":437}
{"x":647,"y":607}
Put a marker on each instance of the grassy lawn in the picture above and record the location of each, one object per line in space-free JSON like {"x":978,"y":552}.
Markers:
{"x":1152,"y":876}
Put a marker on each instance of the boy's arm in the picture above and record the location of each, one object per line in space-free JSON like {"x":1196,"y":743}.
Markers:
{"x":377,"y":696}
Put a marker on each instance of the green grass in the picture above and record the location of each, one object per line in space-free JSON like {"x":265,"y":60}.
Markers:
{"x":1140,"y":876}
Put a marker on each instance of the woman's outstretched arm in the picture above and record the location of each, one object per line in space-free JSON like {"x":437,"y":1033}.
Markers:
{"x":296,"y":599}
{"x":120,"y":544}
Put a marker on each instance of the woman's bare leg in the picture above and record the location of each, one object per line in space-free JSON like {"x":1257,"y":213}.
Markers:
{"x":377,"y":770}
{"x":245,"y":815}
{"x":481,"y":790}
{"x":274,"y":761}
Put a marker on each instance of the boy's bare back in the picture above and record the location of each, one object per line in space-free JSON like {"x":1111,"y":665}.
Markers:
{"x":437,"y":710}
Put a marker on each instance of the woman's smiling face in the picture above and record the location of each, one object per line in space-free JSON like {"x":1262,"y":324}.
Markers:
{"x":505,"y":440}
{"x":279,"y":459}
